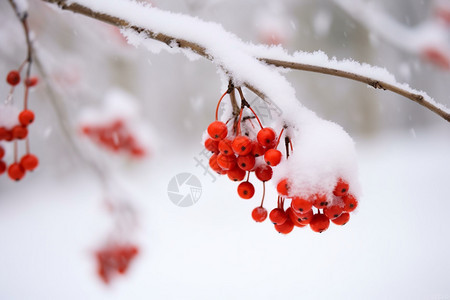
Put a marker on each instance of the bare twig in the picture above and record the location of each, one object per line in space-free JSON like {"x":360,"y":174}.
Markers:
{"x":170,"y":41}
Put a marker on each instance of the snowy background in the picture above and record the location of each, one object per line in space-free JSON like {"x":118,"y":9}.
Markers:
{"x":395,"y":246}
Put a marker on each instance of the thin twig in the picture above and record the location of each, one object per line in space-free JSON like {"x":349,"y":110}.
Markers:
{"x":181,"y":43}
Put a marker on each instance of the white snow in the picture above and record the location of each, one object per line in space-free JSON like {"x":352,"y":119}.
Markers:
{"x":9,"y":116}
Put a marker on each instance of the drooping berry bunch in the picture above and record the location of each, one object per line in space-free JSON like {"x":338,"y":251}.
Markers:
{"x":14,"y":126}
{"x":114,"y":259}
{"x":116,"y":137}
{"x":239,"y":149}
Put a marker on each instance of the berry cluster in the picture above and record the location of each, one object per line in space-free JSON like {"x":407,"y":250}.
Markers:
{"x":114,"y":136}
{"x":16,"y":127}
{"x":239,"y":149}
{"x":114,"y":259}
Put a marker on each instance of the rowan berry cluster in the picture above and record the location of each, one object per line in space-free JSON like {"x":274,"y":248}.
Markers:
{"x":240,"y":149}
{"x":114,"y":136}
{"x":16,"y":129}
{"x":114,"y":259}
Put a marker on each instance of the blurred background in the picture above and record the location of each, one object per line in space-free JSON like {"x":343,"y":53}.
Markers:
{"x":84,"y":197}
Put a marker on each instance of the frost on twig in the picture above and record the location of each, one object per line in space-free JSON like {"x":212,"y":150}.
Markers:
{"x":209,"y":40}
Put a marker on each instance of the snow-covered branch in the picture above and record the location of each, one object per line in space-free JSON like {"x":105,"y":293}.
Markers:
{"x":134,"y":18}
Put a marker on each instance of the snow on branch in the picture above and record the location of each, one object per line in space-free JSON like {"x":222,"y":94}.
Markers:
{"x":210,"y":40}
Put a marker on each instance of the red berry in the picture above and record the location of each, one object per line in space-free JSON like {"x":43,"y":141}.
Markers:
{"x":342,"y":219}
{"x":226,"y":162}
{"x":214,"y":165}
{"x":225,"y":147}
{"x":16,"y":171}
{"x":258,"y":150}
{"x":266,"y":136}
{"x":19,"y":132}
{"x":264,"y":172}
{"x":301,"y":205}
{"x":272,"y":157}
{"x":283,"y":187}
{"x":242,"y":145}
{"x":259,"y":214}
{"x":32,"y":81}
{"x":341,"y":188}
{"x":320,"y":200}
{"x":2,"y":152}
{"x":210,"y":145}
{"x":2,"y":167}
{"x":3,"y":133}
{"x":294,"y":218}
{"x":217,"y":130}
{"x":246,"y":162}
{"x":246,"y":190}
{"x":278,"y":216}
{"x":350,"y":203}
{"x":13,"y":77}
{"x":26,"y":117}
{"x":29,"y":162}
{"x":319,"y":223}
{"x":236,"y":174}
{"x":333,"y":211}
{"x":286,"y":227}
{"x":305,"y":217}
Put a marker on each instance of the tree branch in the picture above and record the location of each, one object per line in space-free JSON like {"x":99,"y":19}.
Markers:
{"x":422,"y":99}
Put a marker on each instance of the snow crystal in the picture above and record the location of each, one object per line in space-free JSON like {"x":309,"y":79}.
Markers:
{"x":8,"y":116}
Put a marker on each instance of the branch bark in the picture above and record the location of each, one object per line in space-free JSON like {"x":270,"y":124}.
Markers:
{"x":198,"y":49}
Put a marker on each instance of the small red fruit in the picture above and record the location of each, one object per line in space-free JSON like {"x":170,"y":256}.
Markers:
{"x":236,"y":174}
{"x":225,"y":147}
{"x":320,"y":200}
{"x":242,"y":145}
{"x":272,"y":157}
{"x":341,"y":188}
{"x":16,"y":171}
{"x":286,"y":227}
{"x":2,"y":152}
{"x":29,"y":162}
{"x":259,"y":214}
{"x":306,"y":217}
{"x":2,"y":167}
{"x":333,"y":211}
{"x":19,"y":132}
{"x":226,"y":162}
{"x":283,"y":187}
{"x":266,"y":136}
{"x":264,"y":172}
{"x":350,"y":203}
{"x":32,"y":81}
{"x":246,"y":162}
{"x":301,"y":205}
{"x":13,"y":77}
{"x":258,"y":150}
{"x":246,"y":190}
{"x":214,"y":165}
{"x":294,"y":218}
{"x":210,"y":144}
{"x":217,"y":130}
{"x":342,"y":219}
{"x":3,"y":133}
{"x":26,"y":117}
{"x":319,"y":223}
{"x":278,"y":216}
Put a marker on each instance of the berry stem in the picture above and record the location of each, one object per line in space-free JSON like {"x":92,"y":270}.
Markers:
{"x":279,"y":137}
{"x":27,"y":144}
{"x":239,"y":123}
{"x":15,"y":152}
{"x":256,"y":117}
{"x":218,"y":104}
{"x":248,"y":176}
{"x":264,"y":193}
